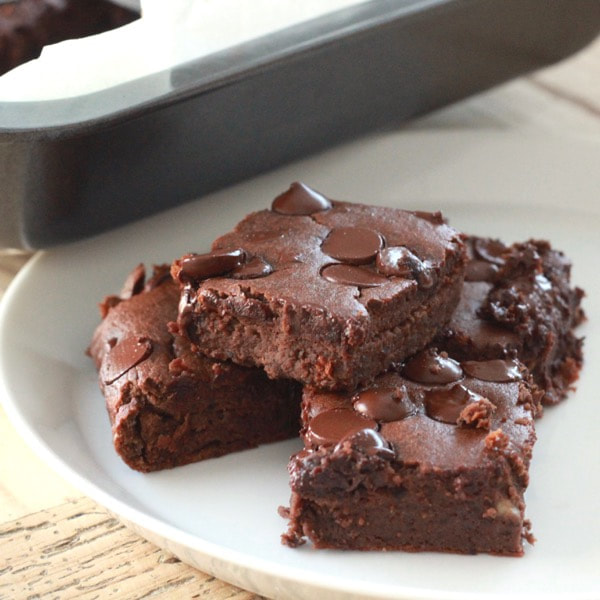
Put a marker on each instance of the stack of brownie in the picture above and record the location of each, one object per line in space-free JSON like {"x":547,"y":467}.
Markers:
{"x":26,"y":26}
{"x":411,"y":359}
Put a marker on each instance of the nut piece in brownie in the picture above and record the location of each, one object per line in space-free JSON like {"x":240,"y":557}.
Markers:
{"x":518,"y":301}
{"x":26,"y":26}
{"x":324,"y":292}
{"x":433,"y":456}
{"x":169,"y":406}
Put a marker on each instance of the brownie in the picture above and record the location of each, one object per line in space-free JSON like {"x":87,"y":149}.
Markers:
{"x":325,"y":292}
{"x":433,"y":456}
{"x":26,"y":26}
{"x":518,"y":301}
{"x":169,"y":406}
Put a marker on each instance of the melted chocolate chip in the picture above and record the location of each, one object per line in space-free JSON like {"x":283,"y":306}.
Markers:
{"x":368,"y":441}
{"x":330,"y":426}
{"x":481,"y":270}
{"x":489,"y":250}
{"x":125,"y":355}
{"x":429,"y":366}
{"x":196,"y":267}
{"x":498,"y":370}
{"x":300,"y":200}
{"x":384,"y":404}
{"x":446,"y":404}
{"x":254,"y":268}
{"x":353,"y":245}
{"x":398,"y":261}
{"x":352,"y":275}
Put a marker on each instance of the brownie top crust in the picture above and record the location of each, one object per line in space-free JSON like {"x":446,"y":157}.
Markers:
{"x":325,"y":292}
{"x":348,"y":256}
{"x":431,"y":412}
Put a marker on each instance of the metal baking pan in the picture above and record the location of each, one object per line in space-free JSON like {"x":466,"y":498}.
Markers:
{"x":75,"y":167}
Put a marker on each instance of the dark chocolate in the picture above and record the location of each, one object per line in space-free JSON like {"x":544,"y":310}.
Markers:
{"x":300,"y":200}
{"x":398,"y":261}
{"x":253,"y":268}
{"x":352,"y":275}
{"x":126,"y":354}
{"x":493,"y":370}
{"x":329,"y":427}
{"x":196,"y":267}
{"x":353,"y":245}
{"x":446,"y":404}
{"x":430,"y":366}
{"x":384,"y":403}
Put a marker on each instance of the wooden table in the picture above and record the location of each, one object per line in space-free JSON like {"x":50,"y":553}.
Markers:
{"x":56,"y":543}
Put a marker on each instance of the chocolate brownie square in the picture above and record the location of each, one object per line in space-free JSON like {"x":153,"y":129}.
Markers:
{"x":324,"y":292}
{"x":169,"y":406}
{"x":518,"y":301}
{"x":433,"y":456}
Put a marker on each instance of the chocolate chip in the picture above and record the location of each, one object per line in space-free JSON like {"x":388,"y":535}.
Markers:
{"x":368,"y":441}
{"x":352,"y":275}
{"x":490,"y":250}
{"x":353,"y":245}
{"x":481,"y":270}
{"x":384,"y":404}
{"x":429,"y":366}
{"x":196,"y":267}
{"x":446,"y":404}
{"x":397,"y":261}
{"x":330,"y":426}
{"x":254,"y":268}
{"x":498,"y":370}
{"x":300,"y":200}
{"x":129,"y":352}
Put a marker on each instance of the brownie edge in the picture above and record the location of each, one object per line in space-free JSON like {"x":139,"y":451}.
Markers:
{"x":433,"y":456}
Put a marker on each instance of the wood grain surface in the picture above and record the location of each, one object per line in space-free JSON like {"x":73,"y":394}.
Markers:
{"x":55,"y":543}
{"x":78,"y":550}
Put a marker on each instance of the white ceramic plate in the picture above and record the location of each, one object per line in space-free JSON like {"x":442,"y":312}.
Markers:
{"x":221,"y":515}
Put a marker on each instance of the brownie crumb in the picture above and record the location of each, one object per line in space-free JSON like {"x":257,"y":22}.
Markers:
{"x":496,"y":441}
{"x":477,"y":414}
